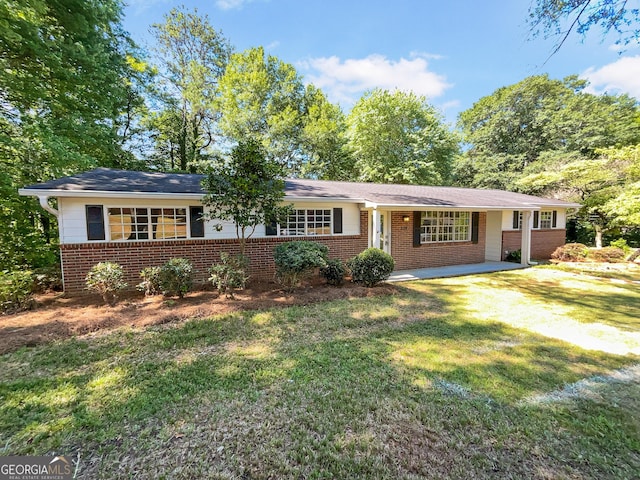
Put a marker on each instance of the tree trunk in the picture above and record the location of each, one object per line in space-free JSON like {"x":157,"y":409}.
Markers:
{"x":598,"y":229}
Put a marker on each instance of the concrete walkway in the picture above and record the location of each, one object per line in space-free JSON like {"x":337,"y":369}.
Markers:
{"x":452,"y":271}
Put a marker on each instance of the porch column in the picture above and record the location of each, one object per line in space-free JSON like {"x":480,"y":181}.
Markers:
{"x":525,"y":246}
{"x":375,"y":228}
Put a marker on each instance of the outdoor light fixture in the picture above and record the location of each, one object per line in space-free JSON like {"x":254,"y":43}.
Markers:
{"x":405,"y":218}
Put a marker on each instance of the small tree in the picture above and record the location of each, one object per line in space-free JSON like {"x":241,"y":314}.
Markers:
{"x":246,"y":189}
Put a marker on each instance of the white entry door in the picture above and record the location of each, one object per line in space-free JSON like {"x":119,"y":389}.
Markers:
{"x":385,"y":232}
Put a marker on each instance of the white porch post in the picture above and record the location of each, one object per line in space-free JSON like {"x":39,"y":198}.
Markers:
{"x":375,"y":227}
{"x":525,"y":246}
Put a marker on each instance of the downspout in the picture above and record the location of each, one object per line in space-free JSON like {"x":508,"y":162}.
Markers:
{"x":44,"y":203}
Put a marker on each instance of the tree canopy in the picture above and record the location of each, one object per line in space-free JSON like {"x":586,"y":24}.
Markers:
{"x":397,"y":137}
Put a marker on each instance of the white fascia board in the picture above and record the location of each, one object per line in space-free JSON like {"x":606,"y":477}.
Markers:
{"x":322,"y":199}
{"x":107,"y":194}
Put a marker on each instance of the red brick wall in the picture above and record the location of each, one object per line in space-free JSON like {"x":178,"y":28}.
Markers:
{"x":432,"y":254}
{"x":77,"y":259}
{"x":543,"y":242}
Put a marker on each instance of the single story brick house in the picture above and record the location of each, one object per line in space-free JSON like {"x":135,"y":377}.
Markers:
{"x":142,"y":219}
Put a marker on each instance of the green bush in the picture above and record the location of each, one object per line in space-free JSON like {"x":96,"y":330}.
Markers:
{"x":571,"y":252}
{"x":107,"y":279}
{"x":229,"y":274}
{"x":334,"y":272}
{"x":150,"y":284}
{"x":607,"y":255}
{"x":371,"y":267}
{"x":514,"y":256}
{"x":622,"y":244}
{"x":48,"y":279}
{"x":16,"y":291}
{"x":296,"y":260}
{"x":176,"y":277}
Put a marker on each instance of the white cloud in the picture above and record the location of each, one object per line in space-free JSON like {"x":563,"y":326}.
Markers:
{"x":345,"y":80}
{"x":621,"y":76}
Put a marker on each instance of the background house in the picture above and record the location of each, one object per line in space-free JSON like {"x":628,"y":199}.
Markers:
{"x":142,"y":219}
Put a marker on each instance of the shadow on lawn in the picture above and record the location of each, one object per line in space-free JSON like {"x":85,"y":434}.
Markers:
{"x":296,"y":380}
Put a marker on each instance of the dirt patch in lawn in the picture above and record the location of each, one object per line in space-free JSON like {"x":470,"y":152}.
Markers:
{"x":56,"y":316}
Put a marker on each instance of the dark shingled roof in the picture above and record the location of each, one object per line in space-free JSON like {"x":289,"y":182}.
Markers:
{"x":111,"y":180}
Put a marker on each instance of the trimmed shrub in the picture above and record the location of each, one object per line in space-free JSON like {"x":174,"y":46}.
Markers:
{"x":571,"y":252}
{"x":621,"y":243}
{"x":176,"y":277}
{"x":607,"y":255}
{"x":47,"y":279}
{"x":230,"y":274}
{"x":150,"y":284}
{"x":16,"y":291}
{"x":514,"y":256}
{"x":297,"y":260}
{"x":371,"y":267}
{"x":107,"y":279}
{"x":334,"y":272}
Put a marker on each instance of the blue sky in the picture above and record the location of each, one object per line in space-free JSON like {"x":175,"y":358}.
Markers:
{"x":453,"y":52}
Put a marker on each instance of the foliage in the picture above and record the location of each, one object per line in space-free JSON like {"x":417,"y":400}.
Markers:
{"x":150,"y":284}
{"x":69,"y":88}
{"x":571,"y":252}
{"x":262,"y":100}
{"x":246,"y":188}
{"x":397,"y":137}
{"x":523,"y":128}
{"x":334,"y":272}
{"x":47,"y":279}
{"x":296,"y":260}
{"x":514,"y":256}
{"x":16,"y":290}
{"x":622,"y":244}
{"x":176,"y":277}
{"x":193,"y":57}
{"x":559,"y":19}
{"x":107,"y":279}
{"x":371,"y":267}
{"x":229,"y":274}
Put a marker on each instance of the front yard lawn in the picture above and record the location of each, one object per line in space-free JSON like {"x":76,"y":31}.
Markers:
{"x":525,"y":374}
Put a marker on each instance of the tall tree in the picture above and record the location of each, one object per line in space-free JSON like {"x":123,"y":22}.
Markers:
{"x":397,"y":137}
{"x":193,"y":57}
{"x":247,"y":188}
{"x":263,"y":98}
{"x":65,"y":98}
{"x":513,"y":131}
{"x":324,"y":139}
{"x":559,"y":18}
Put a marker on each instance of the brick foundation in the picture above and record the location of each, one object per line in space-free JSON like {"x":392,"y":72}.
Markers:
{"x":77,"y":259}
{"x":432,"y":254}
{"x":543,"y":242}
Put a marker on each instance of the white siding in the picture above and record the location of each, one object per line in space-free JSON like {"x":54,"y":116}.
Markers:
{"x":493,"y":245}
{"x":507,"y":218}
{"x":73,"y":224}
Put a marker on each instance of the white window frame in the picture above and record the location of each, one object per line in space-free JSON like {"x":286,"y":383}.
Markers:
{"x":549,"y":220}
{"x":445,"y":226}
{"x":148,"y":224}
{"x":304,"y":223}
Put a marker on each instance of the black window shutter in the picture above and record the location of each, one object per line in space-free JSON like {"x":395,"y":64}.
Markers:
{"x":197,"y":222}
{"x":337,"y":220}
{"x":95,"y":222}
{"x":475,"y":222}
{"x":516,"y":219}
{"x":554,"y":221}
{"x":271,"y":228}
{"x":536,"y":219}
{"x":417,"y":228}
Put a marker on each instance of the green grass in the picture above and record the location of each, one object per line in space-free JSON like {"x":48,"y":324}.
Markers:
{"x":450,"y":378}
